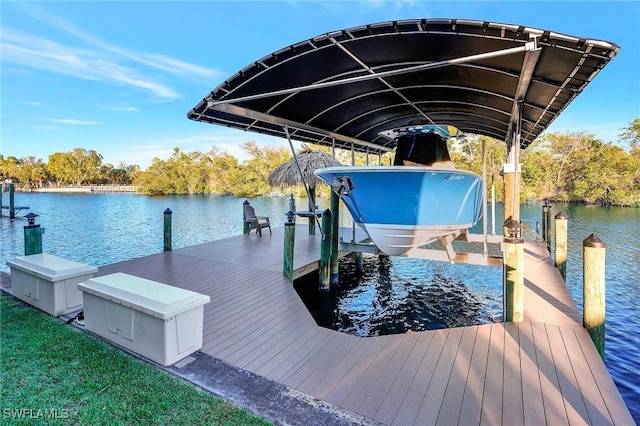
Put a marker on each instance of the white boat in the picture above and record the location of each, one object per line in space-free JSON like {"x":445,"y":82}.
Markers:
{"x":402,"y":207}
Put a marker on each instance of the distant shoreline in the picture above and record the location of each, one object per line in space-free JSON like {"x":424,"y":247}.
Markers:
{"x":84,"y":189}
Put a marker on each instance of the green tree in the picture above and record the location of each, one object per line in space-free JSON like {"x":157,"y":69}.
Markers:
{"x":182,"y":173}
{"x":77,"y":166}
{"x":538,"y":172}
{"x":9,"y":167}
{"x":631,"y":134}
{"x":466,"y":153}
{"x":250,"y":178}
{"x":222,"y":164}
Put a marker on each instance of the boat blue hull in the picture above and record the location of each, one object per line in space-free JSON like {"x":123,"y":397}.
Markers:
{"x":403,"y":207}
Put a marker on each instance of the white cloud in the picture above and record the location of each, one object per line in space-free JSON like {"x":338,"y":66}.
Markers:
{"x":73,"y":121}
{"x":97,"y":60}
{"x":122,"y":108}
{"x":39,"y":53}
{"x":153,"y":60}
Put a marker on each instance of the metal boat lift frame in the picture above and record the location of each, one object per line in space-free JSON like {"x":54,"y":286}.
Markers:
{"x":449,"y":254}
{"x":551,"y":70}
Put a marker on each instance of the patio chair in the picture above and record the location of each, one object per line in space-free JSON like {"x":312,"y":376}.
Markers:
{"x":256,"y":222}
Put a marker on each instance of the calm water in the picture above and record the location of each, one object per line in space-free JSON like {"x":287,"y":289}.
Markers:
{"x":417,"y":294}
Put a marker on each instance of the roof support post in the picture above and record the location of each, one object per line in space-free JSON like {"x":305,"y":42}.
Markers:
{"x":312,"y":206}
{"x":511,"y":171}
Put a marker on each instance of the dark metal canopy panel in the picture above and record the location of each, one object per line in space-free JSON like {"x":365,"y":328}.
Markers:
{"x":347,"y":86}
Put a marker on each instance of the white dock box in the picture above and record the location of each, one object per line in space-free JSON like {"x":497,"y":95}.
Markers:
{"x":48,"y":282}
{"x":158,"y":321}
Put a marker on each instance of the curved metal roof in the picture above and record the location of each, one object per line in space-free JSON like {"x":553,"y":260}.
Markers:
{"x":349,"y":86}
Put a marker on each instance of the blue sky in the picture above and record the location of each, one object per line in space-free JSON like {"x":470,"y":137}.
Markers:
{"x":119,"y":77}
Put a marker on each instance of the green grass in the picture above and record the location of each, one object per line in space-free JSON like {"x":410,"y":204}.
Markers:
{"x":52,"y":373}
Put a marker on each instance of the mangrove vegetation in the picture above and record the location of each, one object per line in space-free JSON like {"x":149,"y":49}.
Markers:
{"x":569,"y":166}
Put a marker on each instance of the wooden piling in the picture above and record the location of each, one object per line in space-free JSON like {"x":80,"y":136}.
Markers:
{"x":32,"y":236}
{"x":513,"y":273}
{"x":292,"y":204}
{"x":594,"y":289}
{"x":335,"y":224}
{"x":245,"y":225}
{"x":167,"y":229}
{"x":561,"y":244}
{"x":12,"y":204}
{"x":546,"y":224}
{"x":312,"y":210}
{"x":289,"y":242}
{"x":325,"y":252}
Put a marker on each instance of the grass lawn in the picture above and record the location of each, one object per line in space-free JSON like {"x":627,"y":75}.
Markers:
{"x":52,"y":373}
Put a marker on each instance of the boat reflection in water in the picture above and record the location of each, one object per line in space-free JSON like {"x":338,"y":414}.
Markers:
{"x":418,"y":200}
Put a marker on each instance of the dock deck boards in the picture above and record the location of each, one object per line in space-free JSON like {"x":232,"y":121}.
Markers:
{"x":543,"y":370}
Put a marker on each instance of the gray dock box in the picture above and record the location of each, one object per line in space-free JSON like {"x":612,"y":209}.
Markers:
{"x":49,"y":282}
{"x":158,"y":321}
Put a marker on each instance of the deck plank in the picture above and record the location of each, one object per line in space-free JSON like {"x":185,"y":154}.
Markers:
{"x":384,"y":382}
{"x":362,"y":387}
{"x":492,"y":404}
{"x":346,"y":383}
{"x":587,"y":385}
{"x":512,"y":392}
{"x":389,"y":406}
{"x":533,"y":406}
{"x":471,"y":411}
{"x":444,"y":369}
{"x":554,"y":408}
{"x":408,"y":410}
{"x":451,"y":406}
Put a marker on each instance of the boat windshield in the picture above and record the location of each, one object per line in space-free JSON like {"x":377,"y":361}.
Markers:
{"x":424,"y":149}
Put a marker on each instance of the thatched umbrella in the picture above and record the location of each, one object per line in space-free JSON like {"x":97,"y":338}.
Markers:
{"x":288,"y":174}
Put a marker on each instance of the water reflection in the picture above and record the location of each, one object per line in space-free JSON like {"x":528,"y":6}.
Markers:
{"x":392,"y":296}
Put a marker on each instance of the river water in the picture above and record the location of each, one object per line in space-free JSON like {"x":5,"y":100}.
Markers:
{"x":100,"y":229}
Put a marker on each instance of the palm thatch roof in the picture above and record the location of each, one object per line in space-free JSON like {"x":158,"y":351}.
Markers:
{"x":287,"y":174}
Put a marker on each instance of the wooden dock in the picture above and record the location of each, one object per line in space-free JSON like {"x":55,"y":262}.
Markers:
{"x":544,"y":370}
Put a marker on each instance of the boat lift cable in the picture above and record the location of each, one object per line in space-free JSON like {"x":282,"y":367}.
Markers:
{"x":353,"y":225}
{"x":485,"y":251}
{"x":516,"y":160}
{"x":312,"y":207}
{"x":493,"y":200}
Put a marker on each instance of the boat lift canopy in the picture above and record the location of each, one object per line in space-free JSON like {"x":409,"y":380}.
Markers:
{"x":347,"y":87}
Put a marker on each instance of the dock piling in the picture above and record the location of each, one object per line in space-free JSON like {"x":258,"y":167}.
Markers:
{"x":325,"y":251}
{"x":289,"y":242}
{"x":594,"y":288}
{"x":335,"y":224}
{"x":513,"y":272}
{"x":546,"y":224}
{"x":292,"y":204}
{"x":32,"y":236}
{"x":12,"y":204}
{"x":245,"y":225}
{"x":167,"y":229}
{"x":561,"y":244}
{"x":312,"y":209}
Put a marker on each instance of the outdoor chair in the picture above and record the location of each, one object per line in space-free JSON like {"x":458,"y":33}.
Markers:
{"x":256,"y":222}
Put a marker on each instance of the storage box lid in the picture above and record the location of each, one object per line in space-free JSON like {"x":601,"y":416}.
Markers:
{"x":153,"y":298}
{"x":51,"y":268}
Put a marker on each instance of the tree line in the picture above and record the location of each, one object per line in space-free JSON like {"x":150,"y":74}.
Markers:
{"x":569,"y":166}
